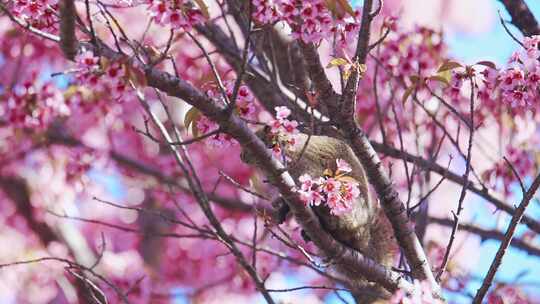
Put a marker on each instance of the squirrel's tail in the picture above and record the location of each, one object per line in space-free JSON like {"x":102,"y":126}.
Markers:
{"x":383,"y":248}
{"x":382,"y":242}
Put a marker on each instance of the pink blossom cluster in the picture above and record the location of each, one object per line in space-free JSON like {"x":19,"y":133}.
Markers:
{"x":455,"y":85}
{"x":79,"y":164}
{"x":406,"y":53}
{"x":519,"y":83}
{"x":283,"y":132}
{"x":41,"y":14}
{"x":422,"y":294}
{"x":311,"y":20}
{"x":221,"y":140}
{"x":32,"y":105}
{"x":503,"y":294}
{"x":487,"y":92}
{"x":108,"y":78}
{"x":245,"y":108}
{"x":338,"y":190}
{"x":435,"y":252}
{"x":245,"y":101}
{"x":405,"y":59}
{"x":266,"y":11}
{"x":178,"y":14}
{"x":521,"y":160}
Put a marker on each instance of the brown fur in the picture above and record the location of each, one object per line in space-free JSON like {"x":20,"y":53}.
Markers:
{"x":365,"y":228}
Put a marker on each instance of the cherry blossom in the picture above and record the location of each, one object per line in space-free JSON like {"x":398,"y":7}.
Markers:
{"x":338,"y":193}
{"x":343,"y":166}
{"x":85,"y":175}
{"x":421,"y":295}
{"x":519,"y":82}
{"x":104,"y":77}
{"x":507,"y":294}
{"x":282,"y":132}
{"x":521,"y":160}
{"x":311,"y":21}
{"x":245,"y":106}
{"x":41,"y":14}
{"x":177,"y":14}
{"x":34,"y":105}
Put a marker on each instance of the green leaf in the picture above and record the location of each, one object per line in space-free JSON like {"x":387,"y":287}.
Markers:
{"x":71,"y":91}
{"x":445,"y":74}
{"x":449,"y":65}
{"x":407,"y":93}
{"x":362,"y":68}
{"x":331,"y":5}
{"x":348,"y":179}
{"x":190,"y":119}
{"x":328,"y":172}
{"x":415,"y":79}
{"x":346,"y":74}
{"x":337,"y":62}
{"x":439,"y":78}
{"x":203,"y":7}
{"x":489,"y":64}
{"x":346,"y":6}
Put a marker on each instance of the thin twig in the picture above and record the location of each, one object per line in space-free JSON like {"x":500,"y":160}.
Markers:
{"x":468,"y":165}
{"x":508,"y":30}
{"x":527,"y":196}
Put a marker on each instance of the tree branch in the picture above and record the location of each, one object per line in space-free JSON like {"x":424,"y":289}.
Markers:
{"x":387,"y":150}
{"x":348,"y":99}
{"x":18,"y":191}
{"x":326,"y":94}
{"x":68,"y":40}
{"x":358,"y":265}
{"x":54,"y":137}
{"x":488,"y":234}
{"x":392,"y":206}
{"x":522,"y":17}
{"x":264,"y":89}
{"x":497,"y":261}
{"x":342,"y":116}
{"x":355,"y":265}
{"x":196,"y":188}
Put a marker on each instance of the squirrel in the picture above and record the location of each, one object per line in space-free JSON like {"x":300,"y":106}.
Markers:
{"x":365,"y":228}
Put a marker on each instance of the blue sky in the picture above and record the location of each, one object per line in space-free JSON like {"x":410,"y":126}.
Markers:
{"x":495,"y":45}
